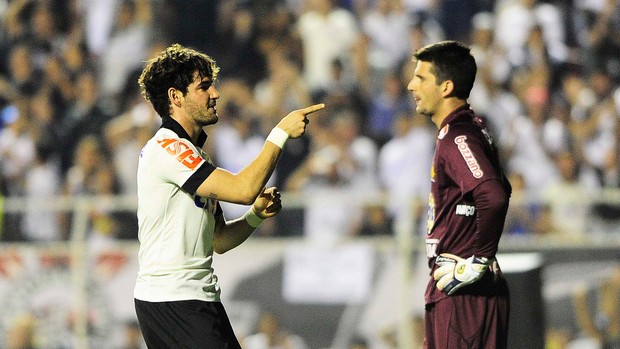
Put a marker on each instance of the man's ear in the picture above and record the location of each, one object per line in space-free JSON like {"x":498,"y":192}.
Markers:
{"x":447,"y":88}
{"x":174,"y":96}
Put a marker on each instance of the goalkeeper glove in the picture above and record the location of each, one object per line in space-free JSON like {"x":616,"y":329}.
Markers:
{"x":455,"y":272}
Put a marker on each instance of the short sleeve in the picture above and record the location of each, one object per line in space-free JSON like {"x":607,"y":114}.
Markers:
{"x":178,"y":161}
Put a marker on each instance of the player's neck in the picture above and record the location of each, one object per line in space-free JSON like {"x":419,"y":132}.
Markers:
{"x":192,"y":129}
{"x":446,"y":108}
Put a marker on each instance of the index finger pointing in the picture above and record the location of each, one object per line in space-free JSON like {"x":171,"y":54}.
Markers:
{"x":311,"y":109}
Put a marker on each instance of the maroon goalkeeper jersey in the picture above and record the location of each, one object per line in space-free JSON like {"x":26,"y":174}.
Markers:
{"x":469,"y":196}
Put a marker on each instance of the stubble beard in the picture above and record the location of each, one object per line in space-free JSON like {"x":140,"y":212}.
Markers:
{"x":203,"y":116}
{"x":425,"y":112}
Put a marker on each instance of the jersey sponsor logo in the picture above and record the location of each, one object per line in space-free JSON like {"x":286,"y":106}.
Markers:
{"x":208,"y":204}
{"x":430,"y":219}
{"x":469,"y":157}
{"x":431,"y":247}
{"x":488,"y":136}
{"x":181,"y":151}
{"x":465,"y":210}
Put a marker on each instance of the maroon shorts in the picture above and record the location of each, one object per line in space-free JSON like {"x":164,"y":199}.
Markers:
{"x":467,"y":322}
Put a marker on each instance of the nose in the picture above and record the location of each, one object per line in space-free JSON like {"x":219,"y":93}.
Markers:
{"x":410,"y":86}
{"x":214,"y":93}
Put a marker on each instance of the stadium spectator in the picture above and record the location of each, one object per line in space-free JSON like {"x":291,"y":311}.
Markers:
{"x":568,"y":198}
{"x":594,"y":131}
{"x":105,"y":224}
{"x":42,"y":185}
{"x":43,"y":124}
{"x":270,"y":334}
{"x":596,"y":28}
{"x":528,"y":129}
{"x":17,"y":147}
{"x":327,"y":32}
{"x":127,"y":133}
{"x":389,"y":102}
{"x":341,"y":162}
{"x":493,"y":67}
{"x":424,"y":30}
{"x":85,"y":116}
{"x":126,"y":49}
{"x":282,"y":89}
{"x":514,"y":22}
{"x":45,"y":38}
{"x":50,"y":46}
{"x":405,"y":182}
{"x":89,"y":158}
{"x":348,"y":91}
{"x":455,"y":17}
{"x":520,"y":213}
{"x":23,"y":76}
{"x":385,"y":26}
{"x":598,"y":326}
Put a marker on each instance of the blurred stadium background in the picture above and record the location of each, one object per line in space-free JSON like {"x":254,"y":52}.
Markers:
{"x":342,"y":266}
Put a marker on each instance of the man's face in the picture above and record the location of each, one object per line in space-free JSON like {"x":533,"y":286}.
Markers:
{"x":426,"y":92}
{"x":200,"y":101}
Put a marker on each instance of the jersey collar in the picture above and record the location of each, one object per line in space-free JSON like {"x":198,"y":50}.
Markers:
{"x":173,"y":125}
{"x":462,"y":111}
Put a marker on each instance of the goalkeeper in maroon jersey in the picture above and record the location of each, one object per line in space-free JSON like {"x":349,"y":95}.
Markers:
{"x":467,"y":299}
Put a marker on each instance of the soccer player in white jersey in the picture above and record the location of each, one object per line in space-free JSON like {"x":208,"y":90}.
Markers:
{"x":177,"y":297}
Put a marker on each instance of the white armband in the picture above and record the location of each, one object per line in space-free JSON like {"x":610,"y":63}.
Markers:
{"x":278,"y":137}
{"x":252,"y":219}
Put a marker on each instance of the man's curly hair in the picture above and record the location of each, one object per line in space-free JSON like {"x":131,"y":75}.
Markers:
{"x":176,"y":67}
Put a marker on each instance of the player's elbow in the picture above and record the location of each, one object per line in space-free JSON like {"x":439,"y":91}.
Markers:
{"x":500,"y":198}
{"x":247,"y":196}
{"x":492,"y":195}
{"x":220,"y":250}
{"x":240,"y":194}
{"x":228,"y":187}
{"x":220,"y":246}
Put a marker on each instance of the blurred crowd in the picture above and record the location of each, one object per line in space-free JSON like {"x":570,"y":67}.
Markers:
{"x":72,"y":121}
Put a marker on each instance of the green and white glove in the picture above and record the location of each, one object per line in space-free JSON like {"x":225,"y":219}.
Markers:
{"x":455,"y":272}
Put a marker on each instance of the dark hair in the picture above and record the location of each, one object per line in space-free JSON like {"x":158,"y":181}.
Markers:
{"x":453,"y":61}
{"x":175,"y":67}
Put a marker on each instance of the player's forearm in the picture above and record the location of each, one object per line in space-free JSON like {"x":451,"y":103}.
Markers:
{"x":243,"y":187}
{"x":231,"y":235}
{"x":253,"y":178}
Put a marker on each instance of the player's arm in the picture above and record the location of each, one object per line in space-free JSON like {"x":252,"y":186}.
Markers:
{"x":455,"y":272}
{"x":491,"y":201}
{"x":229,"y":235}
{"x":244,"y":187}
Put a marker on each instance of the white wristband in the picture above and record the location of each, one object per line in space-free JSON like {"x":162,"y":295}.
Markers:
{"x":252,"y":219}
{"x":278,"y":137}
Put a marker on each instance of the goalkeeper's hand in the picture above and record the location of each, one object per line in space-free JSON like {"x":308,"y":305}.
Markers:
{"x":455,"y":272}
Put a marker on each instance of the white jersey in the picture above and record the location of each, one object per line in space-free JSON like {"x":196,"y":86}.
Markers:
{"x":175,"y":225}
